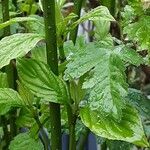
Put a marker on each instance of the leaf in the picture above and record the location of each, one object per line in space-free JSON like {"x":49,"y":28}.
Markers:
{"x":70,"y":49}
{"x":108,"y":86}
{"x":129,"y":55}
{"x":24,"y":141}
{"x":129,"y":129}
{"x":100,"y":12}
{"x":106,"y":81}
{"x":17,"y":45}
{"x":139,"y":101}
{"x":25,"y":118}
{"x":36,"y":26}
{"x":139,"y":32}
{"x":118,"y":145}
{"x":38,"y":77}
{"x":8,"y":99}
{"x":27,"y":97}
{"x":16,"y":20}
{"x":39,"y":52}
{"x":101,"y":32}
{"x":3,"y":80}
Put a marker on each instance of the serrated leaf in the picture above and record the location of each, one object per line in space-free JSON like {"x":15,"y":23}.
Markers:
{"x":85,"y":58}
{"x":25,"y":118}
{"x":39,"y":52}
{"x":36,"y":26}
{"x":139,"y":32}
{"x":129,"y":55}
{"x":38,"y":77}
{"x":107,"y":81}
{"x":17,"y":45}
{"x":100,"y":12}
{"x":24,"y":141}
{"x":3,"y":80}
{"x":16,"y":20}
{"x":129,"y":129}
{"x":26,"y":95}
{"x":70,"y":49}
{"x":108,"y":86}
{"x":139,"y":101}
{"x":8,"y":99}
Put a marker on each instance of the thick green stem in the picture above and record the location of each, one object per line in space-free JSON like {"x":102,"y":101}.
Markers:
{"x":77,"y":10}
{"x":51,"y":47}
{"x":9,"y":69}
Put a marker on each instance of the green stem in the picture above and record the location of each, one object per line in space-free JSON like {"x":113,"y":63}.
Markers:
{"x":83,"y":138}
{"x":51,"y":47}
{"x":62,"y":56}
{"x":9,"y":69}
{"x":104,"y":146}
{"x":44,"y":135}
{"x":72,"y":117}
{"x":72,"y":122}
{"x":77,"y":10}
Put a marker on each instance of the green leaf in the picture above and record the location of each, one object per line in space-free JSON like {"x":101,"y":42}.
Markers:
{"x":70,"y":49}
{"x":16,"y":20}
{"x":129,"y":55}
{"x":24,"y":141}
{"x":139,"y":101}
{"x":118,"y":145}
{"x":108,"y":86}
{"x":8,"y":99}
{"x":129,"y":129}
{"x":101,"y":32}
{"x":106,"y":81}
{"x":3,"y":80}
{"x":25,"y":118}
{"x":39,"y":52}
{"x":26,"y":95}
{"x":36,"y":26}
{"x":100,"y":12}
{"x":17,"y":45}
{"x":139,"y":32}
{"x":38,"y":77}
{"x":106,"y":68}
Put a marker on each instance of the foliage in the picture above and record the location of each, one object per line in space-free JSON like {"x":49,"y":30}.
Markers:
{"x":128,"y":129}
{"x":25,"y":141}
{"x":17,"y":45}
{"x":41,"y":81}
{"x":92,"y":86}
